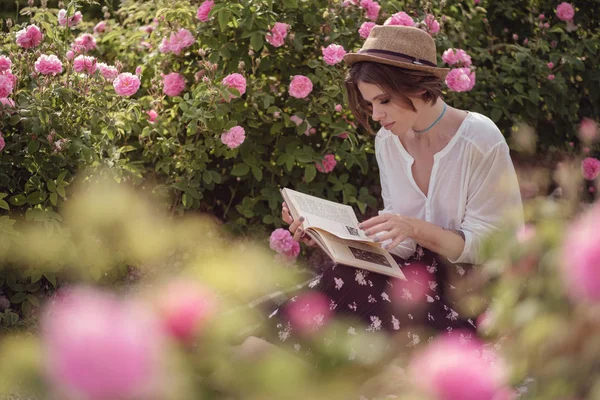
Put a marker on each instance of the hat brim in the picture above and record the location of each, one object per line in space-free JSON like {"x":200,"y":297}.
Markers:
{"x":352,"y":58}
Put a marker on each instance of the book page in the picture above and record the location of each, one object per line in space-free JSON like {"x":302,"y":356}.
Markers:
{"x":326,"y":215}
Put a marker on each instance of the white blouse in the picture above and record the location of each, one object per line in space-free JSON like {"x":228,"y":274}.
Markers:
{"x":473,"y":184}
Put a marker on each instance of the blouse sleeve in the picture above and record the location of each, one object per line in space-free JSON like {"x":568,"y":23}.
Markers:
{"x":493,"y":191}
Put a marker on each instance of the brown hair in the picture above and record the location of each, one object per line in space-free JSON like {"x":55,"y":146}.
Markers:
{"x":399,"y":83}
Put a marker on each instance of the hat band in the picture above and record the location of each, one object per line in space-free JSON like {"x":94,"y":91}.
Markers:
{"x":392,"y":55}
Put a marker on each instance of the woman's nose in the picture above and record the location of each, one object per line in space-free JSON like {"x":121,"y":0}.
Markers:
{"x":377,"y":115}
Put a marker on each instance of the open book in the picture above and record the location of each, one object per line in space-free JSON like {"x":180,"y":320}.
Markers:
{"x":335,"y":228}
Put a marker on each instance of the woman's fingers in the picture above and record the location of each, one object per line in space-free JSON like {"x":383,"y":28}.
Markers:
{"x":285,"y":214}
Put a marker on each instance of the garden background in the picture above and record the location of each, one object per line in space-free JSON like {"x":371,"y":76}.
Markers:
{"x":208,"y":109}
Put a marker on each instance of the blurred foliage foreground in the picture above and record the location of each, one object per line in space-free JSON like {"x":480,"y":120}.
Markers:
{"x":174,"y":334}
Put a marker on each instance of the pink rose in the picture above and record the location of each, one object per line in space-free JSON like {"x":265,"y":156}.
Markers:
{"x":300,"y":87}
{"x":298,"y":121}
{"x":309,"y":312}
{"x":96,"y":346}
{"x":460,"y":79}
{"x":6,"y":85}
{"x":432,"y":25}
{"x":7,"y":103}
{"x":126,"y":84}
{"x":333,"y":54}
{"x":84,"y":43}
{"x":138,"y":70}
{"x":100,"y":27}
{"x":151,"y":116}
{"x":581,"y":257}
{"x":455,"y":56}
{"x":204,"y":10}
{"x":108,"y":72}
{"x":338,"y":107}
{"x":372,"y":10}
{"x":550,"y":65}
{"x":2,"y":144}
{"x":551,"y":77}
{"x":276,"y":37}
{"x":400,"y":18}
{"x":70,"y":54}
{"x":173,"y":84}
{"x":565,"y":11}
{"x":541,"y":17}
{"x":234,"y":137}
{"x":185,"y":308}
{"x":588,"y":130}
{"x":29,"y":37}
{"x":48,"y":65}
{"x":235,"y":81}
{"x":178,"y":41}
{"x":590,"y":168}
{"x":71,"y":21}
{"x":453,"y":367}
{"x":327,"y":165}
{"x":365,"y":29}
{"x":84,"y":64}
{"x":5,"y":63}
{"x":283,"y":243}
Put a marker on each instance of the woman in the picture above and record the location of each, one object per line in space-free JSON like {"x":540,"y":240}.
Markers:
{"x":447,"y":181}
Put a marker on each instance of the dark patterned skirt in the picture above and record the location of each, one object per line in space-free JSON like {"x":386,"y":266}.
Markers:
{"x":424,"y":304}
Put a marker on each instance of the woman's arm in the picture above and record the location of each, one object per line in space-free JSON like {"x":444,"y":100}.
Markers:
{"x":447,"y":243}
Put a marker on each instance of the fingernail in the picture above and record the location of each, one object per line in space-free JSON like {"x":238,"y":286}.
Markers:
{"x":360,"y":226}
{"x":367,"y":233}
{"x":376,"y":240}
{"x":301,"y":219}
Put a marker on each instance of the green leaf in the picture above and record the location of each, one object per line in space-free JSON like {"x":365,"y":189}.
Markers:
{"x":51,"y":278}
{"x":33,"y":300}
{"x":310,"y":172}
{"x":18,"y":298}
{"x":290,"y":3}
{"x":496,"y":114}
{"x":223,"y":18}
{"x":240,"y":170}
{"x":257,"y":172}
{"x":33,"y":146}
{"x":53,"y":198}
{"x":18,"y":200}
{"x":4,"y":205}
{"x":256,"y":40}
{"x":36,"y":197}
{"x":51,"y":185}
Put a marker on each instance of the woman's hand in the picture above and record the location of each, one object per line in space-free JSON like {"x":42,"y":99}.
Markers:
{"x":397,"y":227}
{"x":297,"y":232}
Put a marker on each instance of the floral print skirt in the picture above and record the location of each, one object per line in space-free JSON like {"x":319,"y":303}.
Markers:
{"x":371,"y":302}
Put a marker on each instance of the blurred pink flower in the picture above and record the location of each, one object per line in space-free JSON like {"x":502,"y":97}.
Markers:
{"x":84,"y":64}
{"x":477,"y":1}
{"x":400,"y":18}
{"x":300,"y":86}
{"x":6,"y":85}
{"x":343,"y":135}
{"x":581,"y":257}
{"x":282,"y":242}
{"x":565,"y":11}
{"x":328,"y":164}
{"x":526,"y":233}
{"x":551,"y":77}
{"x":97,"y":346}
{"x":126,"y":84}
{"x":333,"y":54}
{"x":460,"y":79}
{"x":71,"y":21}
{"x":234,"y":137}
{"x":590,"y":168}
{"x":173,"y":84}
{"x":29,"y":37}
{"x":177,"y":41}
{"x":204,"y":10}
{"x":457,"y":56}
{"x":151,"y":115}
{"x":298,"y":121}
{"x":5,"y":63}
{"x":138,"y":70}
{"x":338,"y":107}
{"x":108,"y":72}
{"x":276,"y":37}
{"x":235,"y":81}
{"x":550,"y":65}
{"x":70,"y":55}
{"x":515,"y":36}
{"x":185,"y":308}
{"x":48,"y":64}
{"x":372,"y":10}
{"x":432,"y":25}
{"x":365,"y":29}
{"x":452,"y":368}
{"x":7,"y":102}
{"x":308,"y":312}
{"x":100,"y":27}
{"x":541,"y":17}
{"x":588,"y":130}
{"x":84,"y":43}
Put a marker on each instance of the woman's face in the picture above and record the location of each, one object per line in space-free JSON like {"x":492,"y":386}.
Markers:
{"x":391,"y":116}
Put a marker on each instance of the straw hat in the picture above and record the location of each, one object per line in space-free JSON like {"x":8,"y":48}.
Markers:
{"x":400,"y":46}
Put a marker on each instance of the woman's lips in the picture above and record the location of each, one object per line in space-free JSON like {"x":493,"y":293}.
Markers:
{"x":388,"y":126}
